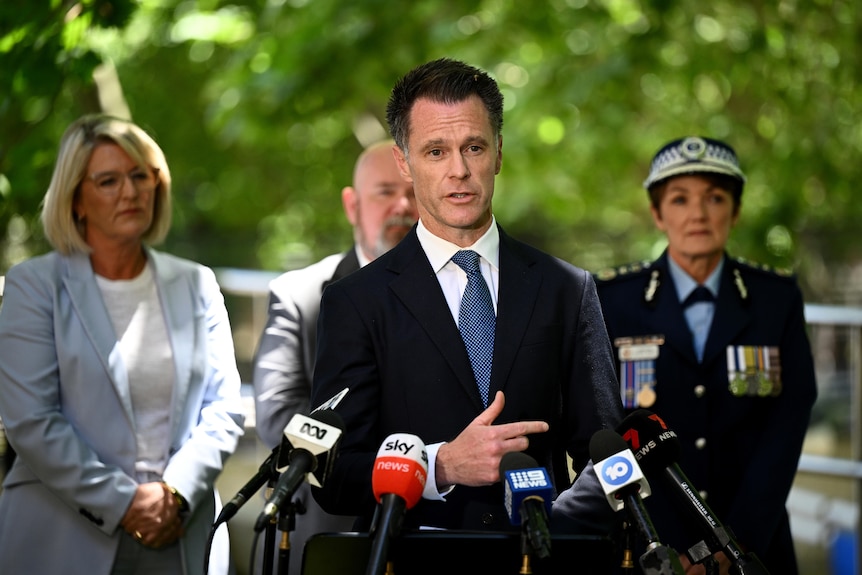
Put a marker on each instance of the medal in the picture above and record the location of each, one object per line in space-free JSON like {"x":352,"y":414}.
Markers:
{"x":646,"y":396}
{"x":738,"y":386}
{"x":637,"y":356}
{"x":764,"y":387}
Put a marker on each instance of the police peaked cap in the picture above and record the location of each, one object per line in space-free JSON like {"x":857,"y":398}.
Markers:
{"x":693,"y":155}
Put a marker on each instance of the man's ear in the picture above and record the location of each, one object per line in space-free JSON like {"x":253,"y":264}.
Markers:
{"x":350,"y":201}
{"x":401,"y":160}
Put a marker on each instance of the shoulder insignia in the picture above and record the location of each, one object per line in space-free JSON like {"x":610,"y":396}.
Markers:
{"x":652,"y":287}
{"x":781,"y":272}
{"x":740,"y":285}
{"x":622,"y":271}
{"x":606,"y":274}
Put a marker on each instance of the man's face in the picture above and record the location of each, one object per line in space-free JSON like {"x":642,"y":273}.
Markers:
{"x":453,"y":158}
{"x":380,"y":205}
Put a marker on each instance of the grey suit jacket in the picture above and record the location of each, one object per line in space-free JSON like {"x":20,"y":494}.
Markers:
{"x":65,"y":401}
{"x":284,"y":361}
{"x":283,"y":368}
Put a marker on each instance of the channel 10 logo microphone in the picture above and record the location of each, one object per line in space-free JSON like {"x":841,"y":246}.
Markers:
{"x":618,"y":472}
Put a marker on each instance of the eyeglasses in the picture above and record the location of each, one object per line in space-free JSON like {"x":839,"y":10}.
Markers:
{"x":110,"y":183}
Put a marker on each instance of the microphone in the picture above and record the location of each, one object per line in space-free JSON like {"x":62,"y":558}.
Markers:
{"x":307,"y":452}
{"x":398,"y":480}
{"x":657,"y":448}
{"x":264,"y":473}
{"x":626,"y":487}
{"x":528,"y":496}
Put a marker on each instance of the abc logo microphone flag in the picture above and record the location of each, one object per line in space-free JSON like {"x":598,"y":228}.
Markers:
{"x":316,"y":433}
{"x":401,"y":468}
{"x":617,"y":471}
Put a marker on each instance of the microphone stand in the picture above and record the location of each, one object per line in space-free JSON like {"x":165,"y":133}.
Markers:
{"x":658,"y":559}
{"x":628,"y":563}
{"x":388,"y":526}
{"x":700,"y":553}
{"x":286,"y":523}
{"x":526,"y":552}
{"x":269,"y":537}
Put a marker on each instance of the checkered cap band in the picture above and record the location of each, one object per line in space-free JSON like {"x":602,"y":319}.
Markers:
{"x":693,"y":155}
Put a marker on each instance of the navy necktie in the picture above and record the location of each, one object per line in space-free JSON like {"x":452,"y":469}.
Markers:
{"x":700,"y":293}
{"x":476,"y":320}
{"x":699,"y":325}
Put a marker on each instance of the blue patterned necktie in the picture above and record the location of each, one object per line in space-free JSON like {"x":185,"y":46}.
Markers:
{"x":476,"y":320}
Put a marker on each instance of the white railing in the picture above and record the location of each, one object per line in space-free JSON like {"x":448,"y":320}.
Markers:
{"x":814,"y":514}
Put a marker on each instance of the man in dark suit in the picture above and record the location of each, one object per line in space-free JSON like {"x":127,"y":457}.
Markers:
{"x":731,"y":373}
{"x":381,"y":209}
{"x":390,"y":332}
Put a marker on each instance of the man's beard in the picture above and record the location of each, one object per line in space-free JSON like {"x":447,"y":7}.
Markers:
{"x":387,"y":241}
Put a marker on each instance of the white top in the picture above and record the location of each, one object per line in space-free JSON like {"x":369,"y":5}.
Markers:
{"x":144,"y":346}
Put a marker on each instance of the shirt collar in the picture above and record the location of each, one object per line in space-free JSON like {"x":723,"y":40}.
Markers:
{"x":360,"y":255}
{"x":685,"y":284}
{"x":440,"y":251}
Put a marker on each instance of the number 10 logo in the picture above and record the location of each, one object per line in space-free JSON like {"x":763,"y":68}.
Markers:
{"x":617,"y":470}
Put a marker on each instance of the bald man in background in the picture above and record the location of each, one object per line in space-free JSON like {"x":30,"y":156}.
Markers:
{"x":381,"y":208}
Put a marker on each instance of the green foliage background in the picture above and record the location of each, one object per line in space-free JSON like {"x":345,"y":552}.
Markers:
{"x":262,"y":106}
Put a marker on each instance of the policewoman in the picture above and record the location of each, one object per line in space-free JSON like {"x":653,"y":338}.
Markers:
{"x":717,"y":347}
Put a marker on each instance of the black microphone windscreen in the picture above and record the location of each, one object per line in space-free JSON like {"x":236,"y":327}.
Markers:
{"x":605,"y":443}
{"x":515,"y":460}
{"x":656,"y":446}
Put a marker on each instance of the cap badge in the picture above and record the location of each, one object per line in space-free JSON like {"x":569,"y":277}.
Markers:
{"x":693,"y":148}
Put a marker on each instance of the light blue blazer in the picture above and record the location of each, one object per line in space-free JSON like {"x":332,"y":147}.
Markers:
{"x":65,"y":403}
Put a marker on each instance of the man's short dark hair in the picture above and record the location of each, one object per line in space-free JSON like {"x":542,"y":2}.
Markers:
{"x":444,"y":80}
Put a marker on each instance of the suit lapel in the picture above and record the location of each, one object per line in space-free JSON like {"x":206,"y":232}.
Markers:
{"x":518,"y":290}
{"x":731,"y":315}
{"x":178,"y":310}
{"x":416,"y":285}
{"x":85,"y":295}
{"x":668,"y":315}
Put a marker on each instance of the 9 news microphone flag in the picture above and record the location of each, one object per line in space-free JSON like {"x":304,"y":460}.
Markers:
{"x":528,"y":495}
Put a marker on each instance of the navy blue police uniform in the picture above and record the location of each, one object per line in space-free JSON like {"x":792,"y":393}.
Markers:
{"x":742,"y":409}
{"x":741,"y":414}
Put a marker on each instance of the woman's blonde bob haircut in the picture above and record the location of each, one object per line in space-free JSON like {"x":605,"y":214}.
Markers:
{"x":62,"y":228}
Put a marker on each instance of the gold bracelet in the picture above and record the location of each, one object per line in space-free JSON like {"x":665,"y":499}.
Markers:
{"x":181,"y":501}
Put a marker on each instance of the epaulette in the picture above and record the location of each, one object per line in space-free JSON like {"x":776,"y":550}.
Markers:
{"x":622,"y":271}
{"x":780,"y":272}
{"x":740,"y":264}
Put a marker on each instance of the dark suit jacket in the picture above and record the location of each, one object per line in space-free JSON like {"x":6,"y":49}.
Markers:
{"x":386,"y":332}
{"x":742,"y":451}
